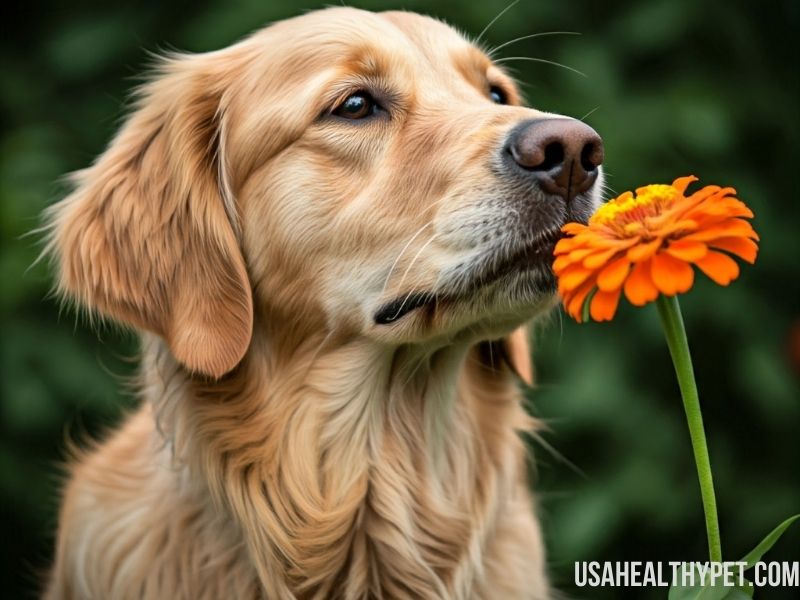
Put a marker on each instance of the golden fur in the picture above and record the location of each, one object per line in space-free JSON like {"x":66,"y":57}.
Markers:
{"x":287,"y":445}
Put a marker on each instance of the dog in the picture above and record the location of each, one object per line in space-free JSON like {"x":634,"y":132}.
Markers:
{"x":330,"y":236}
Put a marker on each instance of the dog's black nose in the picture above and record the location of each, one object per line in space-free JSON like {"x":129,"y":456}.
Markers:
{"x":561,"y":154}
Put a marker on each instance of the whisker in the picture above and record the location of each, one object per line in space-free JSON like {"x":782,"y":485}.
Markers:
{"x":542,"y":60}
{"x":399,"y":256}
{"x":528,"y":37}
{"x":493,"y":21}
{"x":583,"y":118}
{"x":536,"y":435}
{"x":428,"y":224}
{"x":609,"y":194}
{"x":413,"y":260}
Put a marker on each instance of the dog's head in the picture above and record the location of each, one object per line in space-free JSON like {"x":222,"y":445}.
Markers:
{"x":372,"y":174}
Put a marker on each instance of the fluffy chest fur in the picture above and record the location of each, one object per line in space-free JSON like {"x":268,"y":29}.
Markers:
{"x":354,"y":475}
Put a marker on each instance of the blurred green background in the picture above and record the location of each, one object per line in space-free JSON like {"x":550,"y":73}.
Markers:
{"x":674,"y":86}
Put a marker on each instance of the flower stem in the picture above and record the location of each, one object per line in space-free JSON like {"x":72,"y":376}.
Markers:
{"x":671,"y":320}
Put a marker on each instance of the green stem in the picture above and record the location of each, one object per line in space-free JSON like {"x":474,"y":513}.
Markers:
{"x":670,"y":312}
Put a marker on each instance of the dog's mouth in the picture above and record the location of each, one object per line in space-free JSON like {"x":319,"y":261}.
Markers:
{"x":490,"y":268}
{"x":396,"y":309}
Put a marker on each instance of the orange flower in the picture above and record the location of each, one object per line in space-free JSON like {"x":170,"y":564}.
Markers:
{"x":646,"y":244}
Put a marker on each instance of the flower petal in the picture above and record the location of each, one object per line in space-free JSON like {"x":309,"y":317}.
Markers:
{"x":681,"y":183}
{"x":575,"y":300}
{"x":719,"y":267}
{"x":704,"y":193}
{"x":565,"y":245}
{"x":604,"y":305}
{"x":727,"y":228}
{"x":613,"y":276}
{"x":571,"y":278}
{"x":565,"y":260}
{"x":670,"y":227}
{"x":721,"y":207}
{"x":639,"y":286}
{"x":644,"y":251}
{"x":671,"y":276}
{"x":597,"y":260}
{"x":573,"y":228}
{"x":648,"y":243}
{"x":744,"y":248}
{"x":561,"y":263}
{"x":687,"y":250}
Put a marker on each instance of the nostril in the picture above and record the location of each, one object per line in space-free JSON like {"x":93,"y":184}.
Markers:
{"x":553,"y":156}
{"x":542,"y":147}
{"x":592,"y":155}
{"x":588,"y":158}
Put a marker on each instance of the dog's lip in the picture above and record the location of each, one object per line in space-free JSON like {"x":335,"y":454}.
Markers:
{"x":534,"y":255}
{"x":396,"y":309}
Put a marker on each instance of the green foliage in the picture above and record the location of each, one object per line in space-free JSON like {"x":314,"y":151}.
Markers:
{"x":709,"y":591}
{"x":674,"y":87}
{"x":764,"y":546}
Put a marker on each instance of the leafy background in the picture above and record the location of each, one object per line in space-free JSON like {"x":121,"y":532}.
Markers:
{"x":675,"y":86}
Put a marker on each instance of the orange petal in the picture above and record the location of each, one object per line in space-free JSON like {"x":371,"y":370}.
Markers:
{"x":737,"y":208}
{"x":725,"y":192}
{"x":565,"y":260}
{"x":561,"y":247}
{"x":561,"y":263}
{"x":704,"y":193}
{"x":681,"y":183}
{"x":573,"y":228}
{"x":604,"y":305}
{"x":613,"y":276}
{"x":571,"y":278}
{"x":721,"y":207}
{"x":679,"y":208}
{"x":644,"y":251}
{"x":727,"y":228}
{"x":597,"y":260}
{"x":744,"y":248}
{"x":565,"y":245}
{"x":639,"y":286}
{"x":719,"y":267}
{"x":683,"y":227}
{"x":671,"y":276}
{"x":607,"y":243}
{"x":574,"y":302}
{"x":687,"y":250}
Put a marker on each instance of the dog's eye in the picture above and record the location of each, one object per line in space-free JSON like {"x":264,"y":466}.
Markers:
{"x":497,"y":95}
{"x":356,"y":106}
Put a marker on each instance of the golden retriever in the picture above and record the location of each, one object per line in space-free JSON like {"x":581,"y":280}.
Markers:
{"x":329,"y":236}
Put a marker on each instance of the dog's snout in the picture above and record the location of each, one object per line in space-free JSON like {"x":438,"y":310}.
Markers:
{"x":563,"y":155}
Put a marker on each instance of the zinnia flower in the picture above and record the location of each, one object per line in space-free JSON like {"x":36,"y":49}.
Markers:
{"x":646,"y":243}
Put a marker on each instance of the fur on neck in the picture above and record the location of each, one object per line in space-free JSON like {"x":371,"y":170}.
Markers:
{"x":340,"y":453}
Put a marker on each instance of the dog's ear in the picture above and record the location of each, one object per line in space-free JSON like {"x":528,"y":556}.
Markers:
{"x":148,"y":236}
{"x":518,"y":354}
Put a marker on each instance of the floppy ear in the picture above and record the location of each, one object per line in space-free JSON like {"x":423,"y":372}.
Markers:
{"x":147,"y":237}
{"x":518,"y":354}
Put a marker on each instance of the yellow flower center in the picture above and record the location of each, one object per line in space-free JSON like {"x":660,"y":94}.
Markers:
{"x":649,"y":201}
